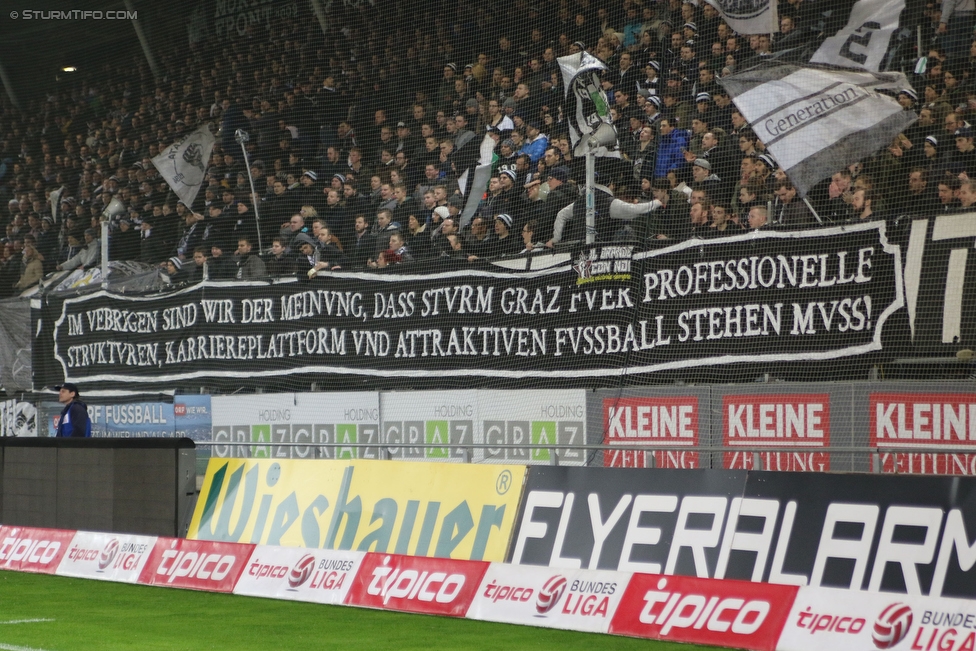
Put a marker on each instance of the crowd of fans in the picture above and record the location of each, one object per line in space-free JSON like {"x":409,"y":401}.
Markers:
{"x":358,"y":139}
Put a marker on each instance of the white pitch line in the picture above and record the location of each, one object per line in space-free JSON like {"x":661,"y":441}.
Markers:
{"x":27,"y":621}
{"x":11,"y":647}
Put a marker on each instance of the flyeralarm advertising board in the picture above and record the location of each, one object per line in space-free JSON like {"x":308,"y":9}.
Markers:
{"x":410,"y":507}
{"x":107,"y":556}
{"x":580,"y":600}
{"x":652,"y":421}
{"x":32,"y":549}
{"x":195,"y":564}
{"x":626,"y":519}
{"x":432,"y":586}
{"x":734,"y":614}
{"x":299,"y":574}
{"x":931,"y":420}
{"x":775,"y":423}
{"x":901,"y":534}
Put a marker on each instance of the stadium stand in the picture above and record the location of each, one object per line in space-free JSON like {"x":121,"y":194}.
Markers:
{"x":383,"y":112}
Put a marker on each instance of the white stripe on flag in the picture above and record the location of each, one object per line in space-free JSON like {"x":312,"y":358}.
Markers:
{"x":862,"y":43}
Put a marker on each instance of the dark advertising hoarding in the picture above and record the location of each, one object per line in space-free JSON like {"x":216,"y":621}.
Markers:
{"x":855,"y":531}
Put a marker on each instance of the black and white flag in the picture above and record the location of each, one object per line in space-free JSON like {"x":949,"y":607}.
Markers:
{"x":183,"y":164}
{"x":815,"y":121}
{"x":581,"y":78}
{"x":748,"y":16}
{"x":862,"y":43}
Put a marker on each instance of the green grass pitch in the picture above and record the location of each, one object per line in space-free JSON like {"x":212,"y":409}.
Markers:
{"x":99,"y":616}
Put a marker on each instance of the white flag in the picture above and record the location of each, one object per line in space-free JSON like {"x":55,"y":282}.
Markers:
{"x":815,"y":121}
{"x":864,"y":40}
{"x":184,"y":163}
{"x":581,"y":79}
{"x":748,"y":16}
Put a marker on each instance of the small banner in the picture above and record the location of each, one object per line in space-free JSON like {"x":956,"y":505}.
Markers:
{"x":184,"y":163}
{"x":581,"y":78}
{"x":748,"y":16}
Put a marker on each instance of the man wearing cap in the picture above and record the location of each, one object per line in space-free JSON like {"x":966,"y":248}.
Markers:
{"x":305,"y":257}
{"x":446,"y":87}
{"x":88,"y":256}
{"x":907,"y":98}
{"x":650,"y":82}
{"x":705,"y":179}
{"x":561,"y":193}
{"x":652,"y":110}
{"x":505,"y":243}
{"x":308,"y":191}
{"x":964,"y":158}
{"x":74,"y":421}
{"x":536,"y":142}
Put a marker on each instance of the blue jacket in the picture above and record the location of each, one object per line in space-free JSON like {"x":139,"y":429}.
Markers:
{"x":669,"y":152}
{"x":74,"y":421}
{"x":535,"y":149}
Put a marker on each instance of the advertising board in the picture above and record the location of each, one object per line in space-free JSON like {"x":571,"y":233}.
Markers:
{"x":194,"y":564}
{"x":252,"y":424}
{"x":107,"y":556}
{"x":933,"y":420}
{"x":445,"y":510}
{"x":432,"y":586}
{"x":299,"y":574}
{"x":735,"y":614}
{"x":900,"y":534}
{"x":32,"y":549}
{"x":577,"y":600}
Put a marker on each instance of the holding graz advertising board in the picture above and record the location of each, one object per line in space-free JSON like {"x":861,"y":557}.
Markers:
{"x":760,"y":298}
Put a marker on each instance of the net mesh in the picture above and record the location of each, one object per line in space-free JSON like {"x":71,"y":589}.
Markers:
{"x":416,"y":158}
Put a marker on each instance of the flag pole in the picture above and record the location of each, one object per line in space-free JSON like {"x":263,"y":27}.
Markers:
{"x":590,"y":200}
{"x":242,"y":138}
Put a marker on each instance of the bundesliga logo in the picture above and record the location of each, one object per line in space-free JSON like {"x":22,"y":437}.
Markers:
{"x":550,"y":594}
{"x":108,"y":553}
{"x":302,"y":570}
{"x":892,"y":625}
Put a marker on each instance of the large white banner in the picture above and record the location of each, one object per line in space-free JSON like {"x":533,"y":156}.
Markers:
{"x":815,"y":121}
{"x":862,"y":43}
